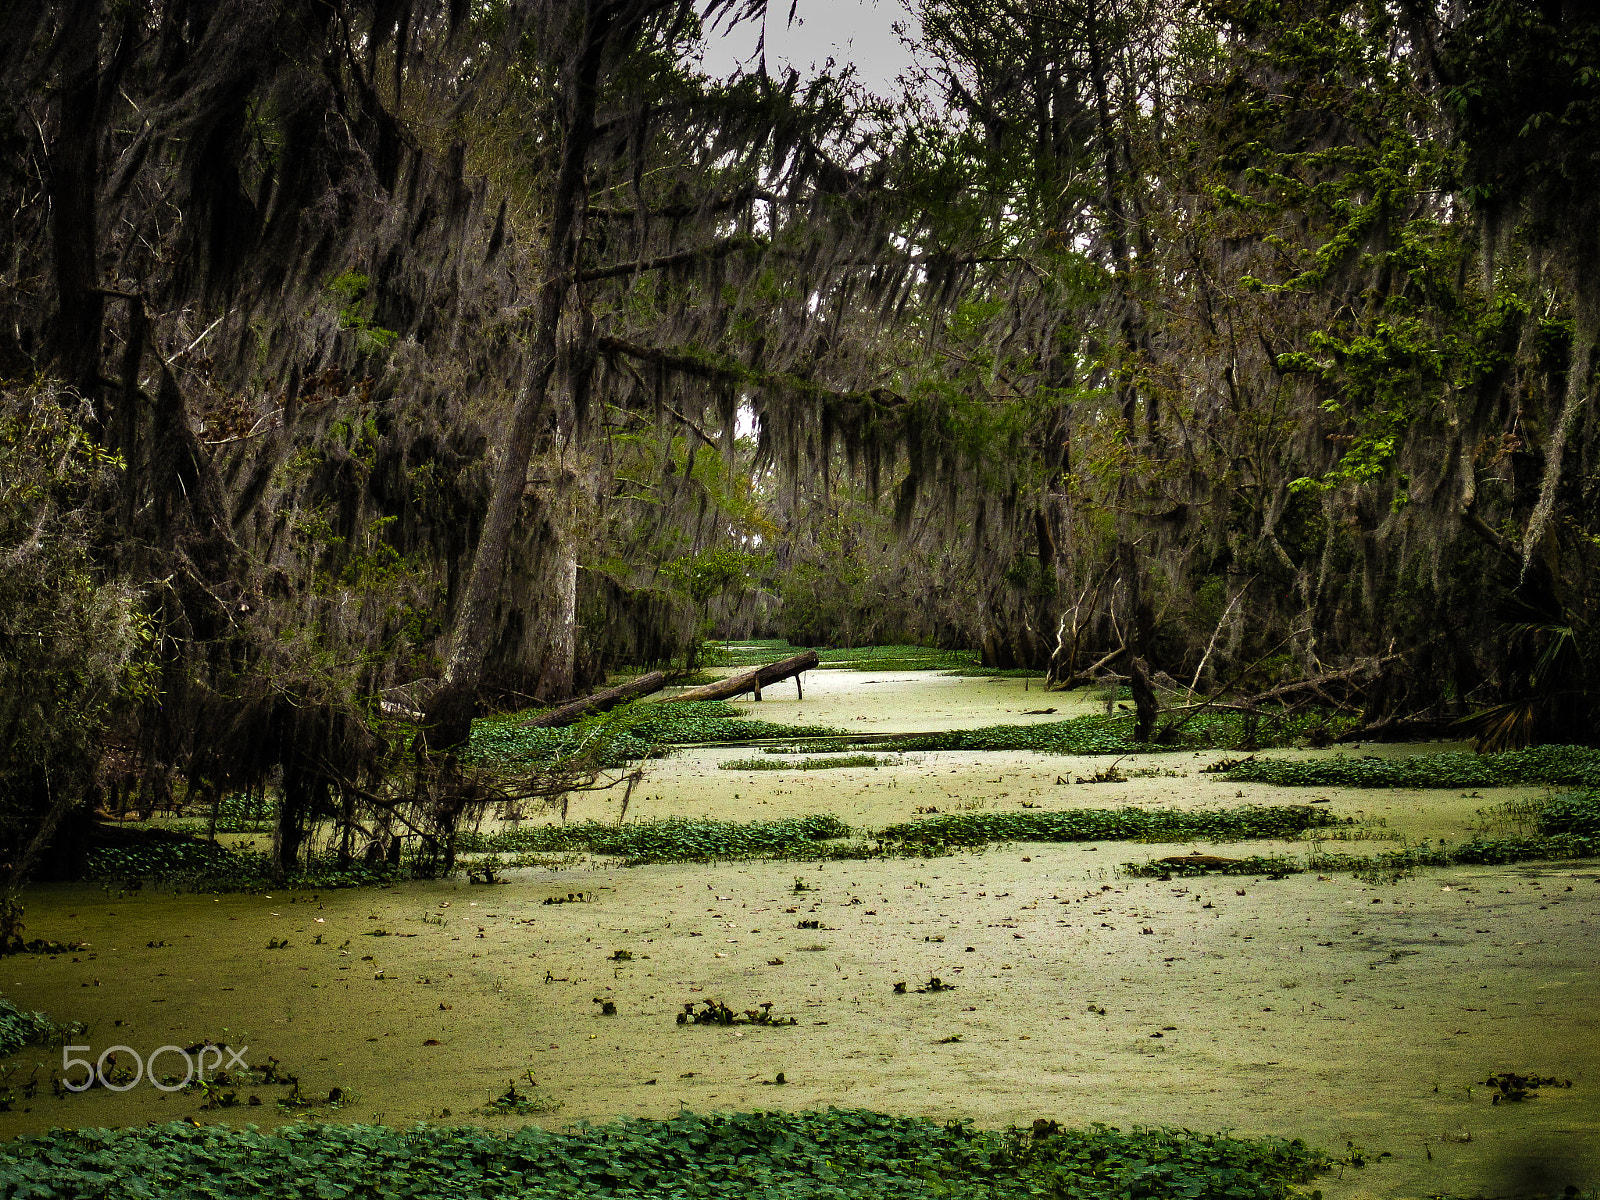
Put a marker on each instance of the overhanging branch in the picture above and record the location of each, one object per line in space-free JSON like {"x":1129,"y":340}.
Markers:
{"x":730,"y":372}
{"x":718,"y":249}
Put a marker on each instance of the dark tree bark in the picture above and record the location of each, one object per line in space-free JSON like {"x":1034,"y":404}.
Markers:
{"x":74,"y":190}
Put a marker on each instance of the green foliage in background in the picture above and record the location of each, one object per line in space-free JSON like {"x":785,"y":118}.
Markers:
{"x":833,"y":1155}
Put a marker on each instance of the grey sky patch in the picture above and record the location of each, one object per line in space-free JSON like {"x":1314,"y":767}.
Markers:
{"x":848,"y":31}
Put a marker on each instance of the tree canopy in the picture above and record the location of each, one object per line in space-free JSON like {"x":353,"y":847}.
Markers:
{"x":375,"y":360}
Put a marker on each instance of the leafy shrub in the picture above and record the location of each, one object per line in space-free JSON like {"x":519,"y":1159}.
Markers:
{"x":838,"y":1155}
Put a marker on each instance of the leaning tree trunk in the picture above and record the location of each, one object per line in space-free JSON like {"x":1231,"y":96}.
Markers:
{"x":451,"y":708}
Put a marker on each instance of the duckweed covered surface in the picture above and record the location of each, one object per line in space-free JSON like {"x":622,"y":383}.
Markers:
{"x":832,"y":1155}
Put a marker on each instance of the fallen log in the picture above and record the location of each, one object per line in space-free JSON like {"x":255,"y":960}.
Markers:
{"x":753,"y":681}
{"x":599,"y":702}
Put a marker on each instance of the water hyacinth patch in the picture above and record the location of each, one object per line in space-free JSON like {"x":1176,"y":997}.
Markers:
{"x":207,"y":866}
{"x":646,"y":730}
{"x":1550,"y":765}
{"x":637,"y":732}
{"x":821,"y":763}
{"x":1117,"y":824}
{"x":19,"y":1028}
{"x":1114,"y":734}
{"x":675,"y":839}
{"x":833,"y":1155}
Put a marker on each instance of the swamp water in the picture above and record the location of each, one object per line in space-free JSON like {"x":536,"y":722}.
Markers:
{"x":1363,"y":1017}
